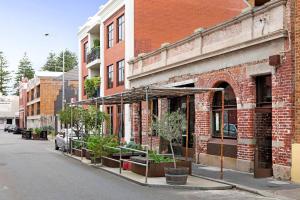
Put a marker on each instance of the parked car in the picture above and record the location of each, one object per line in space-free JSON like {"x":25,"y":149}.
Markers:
{"x":11,"y":128}
{"x":7,"y":126}
{"x":62,"y":139}
{"x":17,"y":130}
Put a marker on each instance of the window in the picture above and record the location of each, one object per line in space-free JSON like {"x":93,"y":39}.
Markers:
{"x":110,"y":76}
{"x":230,"y":112}
{"x":38,"y":89}
{"x":38,"y":109}
{"x":263,"y":91}
{"x":120,"y":73}
{"x":154,"y":112}
{"x":32,"y":110}
{"x":32,"y":94}
{"x":110,"y":112}
{"x":121,"y":28}
{"x":121,"y":122}
{"x":110,"y":35}
{"x":85,"y":52}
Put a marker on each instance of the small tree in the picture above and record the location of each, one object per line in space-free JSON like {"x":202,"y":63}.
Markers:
{"x":25,"y":70}
{"x":82,"y":119}
{"x":169,"y":127}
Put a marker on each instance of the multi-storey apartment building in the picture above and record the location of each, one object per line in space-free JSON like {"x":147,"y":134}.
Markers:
{"x":123,"y":29}
{"x":23,"y":103}
{"x":44,"y":97}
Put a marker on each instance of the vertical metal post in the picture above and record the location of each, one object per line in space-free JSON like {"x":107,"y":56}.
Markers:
{"x":147,"y":164}
{"x":222,"y":134}
{"x":187,"y":126}
{"x":102,"y":128}
{"x":121,"y":128}
{"x":71,"y":148}
{"x":150,"y":113}
{"x":63,"y":82}
{"x":81,"y":154}
{"x":147,"y":116}
{"x":120,"y":164}
{"x":96,"y":121}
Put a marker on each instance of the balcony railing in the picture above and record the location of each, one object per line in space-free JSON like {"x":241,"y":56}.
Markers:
{"x":93,"y":55}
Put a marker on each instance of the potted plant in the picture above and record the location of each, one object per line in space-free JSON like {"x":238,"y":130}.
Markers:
{"x":169,"y":127}
{"x":36,"y":134}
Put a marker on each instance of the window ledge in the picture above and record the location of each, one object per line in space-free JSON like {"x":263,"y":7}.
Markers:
{"x":225,"y":141}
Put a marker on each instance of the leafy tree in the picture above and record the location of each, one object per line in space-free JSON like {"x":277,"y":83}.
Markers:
{"x":4,"y":74}
{"x":91,"y":86}
{"x":169,"y":127}
{"x":55,"y":62}
{"x":51,"y":64}
{"x":82,"y":120}
{"x":25,"y":70}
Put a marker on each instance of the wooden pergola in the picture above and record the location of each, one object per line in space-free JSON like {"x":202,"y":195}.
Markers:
{"x":136,"y":95}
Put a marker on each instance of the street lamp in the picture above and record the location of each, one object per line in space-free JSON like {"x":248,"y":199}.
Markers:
{"x":63,"y":76}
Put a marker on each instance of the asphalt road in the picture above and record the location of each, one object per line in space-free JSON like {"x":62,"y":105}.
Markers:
{"x":33,"y":170}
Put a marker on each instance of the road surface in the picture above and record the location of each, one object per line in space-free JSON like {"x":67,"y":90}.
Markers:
{"x":33,"y":170}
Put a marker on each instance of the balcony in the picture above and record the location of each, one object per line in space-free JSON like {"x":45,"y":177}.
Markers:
{"x":93,"y":57}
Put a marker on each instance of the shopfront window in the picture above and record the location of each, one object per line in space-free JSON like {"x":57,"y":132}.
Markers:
{"x":230,"y":112}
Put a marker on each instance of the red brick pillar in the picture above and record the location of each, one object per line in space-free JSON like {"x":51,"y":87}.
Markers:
{"x":135,"y":122}
{"x":202,"y":126}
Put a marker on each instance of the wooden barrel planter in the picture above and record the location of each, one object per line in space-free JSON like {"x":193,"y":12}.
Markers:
{"x":156,"y":169}
{"x":176,"y":176}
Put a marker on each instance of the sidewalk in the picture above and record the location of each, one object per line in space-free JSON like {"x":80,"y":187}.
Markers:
{"x":264,"y":186}
{"x":193,"y":183}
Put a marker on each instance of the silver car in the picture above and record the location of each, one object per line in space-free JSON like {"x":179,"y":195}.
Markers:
{"x":62,"y":139}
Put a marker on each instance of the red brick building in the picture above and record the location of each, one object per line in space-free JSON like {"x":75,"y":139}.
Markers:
{"x":125,"y":29}
{"x":250,"y":57}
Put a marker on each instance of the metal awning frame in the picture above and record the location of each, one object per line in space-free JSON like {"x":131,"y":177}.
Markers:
{"x":136,"y":95}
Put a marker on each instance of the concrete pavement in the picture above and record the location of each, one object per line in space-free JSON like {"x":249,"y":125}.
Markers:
{"x":265,"y":186}
{"x":32,"y":170}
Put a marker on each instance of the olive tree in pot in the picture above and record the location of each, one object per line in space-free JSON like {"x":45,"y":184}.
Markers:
{"x":169,"y":127}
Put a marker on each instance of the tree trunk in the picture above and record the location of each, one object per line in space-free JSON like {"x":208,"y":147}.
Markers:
{"x":173,"y":154}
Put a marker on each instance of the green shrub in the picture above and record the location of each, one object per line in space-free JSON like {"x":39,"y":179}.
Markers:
{"x":37,"y":131}
{"x":159,"y":158}
{"x":98,"y":145}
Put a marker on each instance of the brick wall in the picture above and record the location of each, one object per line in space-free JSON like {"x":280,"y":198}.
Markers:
{"x":49,"y":92}
{"x":296,"y":37}
{"x":245,"y":91}
{"x":157,"y":21}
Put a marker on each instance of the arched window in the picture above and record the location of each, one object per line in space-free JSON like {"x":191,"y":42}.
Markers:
{"x":230,"y":112}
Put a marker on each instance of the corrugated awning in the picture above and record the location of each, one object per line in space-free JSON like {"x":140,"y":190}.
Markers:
{"x":135,"y":95}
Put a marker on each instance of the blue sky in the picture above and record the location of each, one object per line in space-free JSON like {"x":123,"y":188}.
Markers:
{"x":24,"y":22}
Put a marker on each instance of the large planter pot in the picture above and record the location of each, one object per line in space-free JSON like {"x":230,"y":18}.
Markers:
{"x":110,"y":163}
{"x":76,"y":152}
{"x":35,"y":136}
{"x":176,"y":176}
{"x":155,"y":169}
{"x":44,"y":135}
